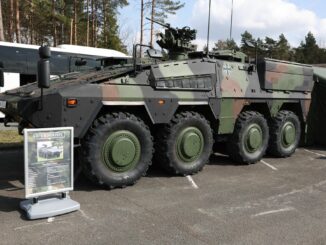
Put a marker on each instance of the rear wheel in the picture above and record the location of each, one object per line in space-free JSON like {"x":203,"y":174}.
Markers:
{"x":117,"y":150}
{"x":185,"y":144}
{"x":249,"y":140}
{"x":285,"y":133}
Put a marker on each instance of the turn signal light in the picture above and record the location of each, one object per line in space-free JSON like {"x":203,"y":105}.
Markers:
{"x":161,"y":102}
{"x":72,"y":102}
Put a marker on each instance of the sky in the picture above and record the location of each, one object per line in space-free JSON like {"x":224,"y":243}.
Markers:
{"x":293,"y":18}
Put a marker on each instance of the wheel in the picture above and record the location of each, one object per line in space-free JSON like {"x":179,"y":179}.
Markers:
{"x":285,"y":133}
{"x":249,"y":140}
{"x":184,"y":145}
{"x":117,"y":150}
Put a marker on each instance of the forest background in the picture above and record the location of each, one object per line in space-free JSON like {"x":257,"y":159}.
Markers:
{"x":94,"y":23}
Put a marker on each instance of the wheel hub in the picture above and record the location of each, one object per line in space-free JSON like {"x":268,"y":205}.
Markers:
{"x":121,"y":151}
{"x":254,"y":138}
{"x":288,"y":134}
{"x":190,"y":144}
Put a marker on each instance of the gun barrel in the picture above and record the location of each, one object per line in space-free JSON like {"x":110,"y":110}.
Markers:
{"x":159,"y":23}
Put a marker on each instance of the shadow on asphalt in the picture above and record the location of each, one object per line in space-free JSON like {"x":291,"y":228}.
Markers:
{"x":11,"y":173}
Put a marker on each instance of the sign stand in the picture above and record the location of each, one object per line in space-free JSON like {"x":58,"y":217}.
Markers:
{"x":48,"y":172}
{"x":39,"y":208}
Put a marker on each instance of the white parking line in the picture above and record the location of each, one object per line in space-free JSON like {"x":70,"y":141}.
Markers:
{"x":268,"y":165}
{"x":274,"y":211}
{"x":316,"y":153}
{"x":51,"y":219}
{"x":85,"y":215}
{"x":192,"y":182}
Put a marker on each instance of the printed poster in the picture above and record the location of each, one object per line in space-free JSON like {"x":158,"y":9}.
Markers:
{"x":48,"y":161}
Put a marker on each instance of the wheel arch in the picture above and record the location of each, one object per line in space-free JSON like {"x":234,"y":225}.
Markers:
{"x":138,"y":110}
{"x":204,"y":110}
{"x":296,"y":108}
{"x":262,"y":108}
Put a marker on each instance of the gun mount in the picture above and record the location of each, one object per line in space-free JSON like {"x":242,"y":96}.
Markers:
{"x":176,"y":41}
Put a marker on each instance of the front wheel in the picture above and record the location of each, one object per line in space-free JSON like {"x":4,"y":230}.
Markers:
{"x":117,"y":150}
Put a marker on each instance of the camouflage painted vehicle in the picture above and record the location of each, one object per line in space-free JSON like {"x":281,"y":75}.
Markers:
{"x":177,"y":107}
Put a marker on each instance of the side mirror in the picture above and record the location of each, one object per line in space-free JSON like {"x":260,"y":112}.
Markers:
{"x":43,"y":67}
{"x":44,"y":52}
{"x":2,"y":78}
{"x":155,"y":54}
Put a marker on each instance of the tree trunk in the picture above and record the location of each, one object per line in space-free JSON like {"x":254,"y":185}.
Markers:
{"x":30,"y":25}
{"x":141,"y":27}
{"x":93,"y":23}
{"x":104,"y":21}
{"x":95,"y":28}
{"x":11,"y":21}
{"x":18,"y":35}
{"x":2,"y":36}
{"x":54,"y":30}
{"x":87,"y":28}
{"x":152,"y":23}
{"x":71,"y":30}
{"x":75,"y":21}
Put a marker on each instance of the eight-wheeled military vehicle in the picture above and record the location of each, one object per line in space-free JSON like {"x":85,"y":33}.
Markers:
{"x":172,"y":109}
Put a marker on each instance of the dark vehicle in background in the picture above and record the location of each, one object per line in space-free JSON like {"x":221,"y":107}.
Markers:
{"x":20,"y":61}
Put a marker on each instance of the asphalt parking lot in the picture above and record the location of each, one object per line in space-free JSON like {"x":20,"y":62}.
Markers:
{"x":277,"y":201}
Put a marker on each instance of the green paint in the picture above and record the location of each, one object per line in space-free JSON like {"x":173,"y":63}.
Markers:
{"x":276,"y":106}
{"x":288,"y":133}
{"x":121,"y":151}
{"x":227,"y":119}
{"x":253,"y":138}
{"x":190,"y":144}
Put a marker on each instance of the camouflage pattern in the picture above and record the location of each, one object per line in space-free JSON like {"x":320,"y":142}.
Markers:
{"x":219,"y":89}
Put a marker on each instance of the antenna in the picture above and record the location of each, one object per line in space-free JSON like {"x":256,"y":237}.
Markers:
{"x":231,"y":26}
{"x":209,"y":26}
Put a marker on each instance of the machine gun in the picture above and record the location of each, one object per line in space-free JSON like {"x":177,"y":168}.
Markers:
{"x":176,"y":41}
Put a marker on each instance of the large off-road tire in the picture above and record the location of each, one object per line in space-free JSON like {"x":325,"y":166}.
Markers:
{"x":117,"y":150}
{"x":184,"y":145}
{"x":285,"y":133}
{"x":249,"y":140}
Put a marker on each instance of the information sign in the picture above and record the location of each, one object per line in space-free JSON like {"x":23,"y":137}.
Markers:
{"x":48,"y":161}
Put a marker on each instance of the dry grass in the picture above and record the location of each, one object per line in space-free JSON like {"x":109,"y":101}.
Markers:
{"x":10,"y":138}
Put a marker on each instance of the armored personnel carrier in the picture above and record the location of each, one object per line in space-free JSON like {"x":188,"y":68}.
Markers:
{"x":175,"y":107}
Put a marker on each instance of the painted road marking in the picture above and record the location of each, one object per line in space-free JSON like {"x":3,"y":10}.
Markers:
{"x":51,"y":219}
{"x":268,"y":165}
{"x":274,"y":211}
{"x":316,"y":153}
{"x":84,"y":215}
{"x":192,"y":182}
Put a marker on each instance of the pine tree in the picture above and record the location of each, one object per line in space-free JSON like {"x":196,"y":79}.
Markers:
{"x":226,"y":45}
{"x":283,"y":48}
{"x":308,"y":51}
{"x":247,"y":37}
